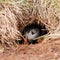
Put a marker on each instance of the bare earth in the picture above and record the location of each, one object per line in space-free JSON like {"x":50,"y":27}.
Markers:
{"x":49,"y":50}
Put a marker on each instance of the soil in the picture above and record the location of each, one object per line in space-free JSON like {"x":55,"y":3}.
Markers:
{"x":47,"y":50}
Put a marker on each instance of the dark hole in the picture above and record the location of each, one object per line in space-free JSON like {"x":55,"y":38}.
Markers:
{"x":36,"y":31}
{"x":41,"y":27}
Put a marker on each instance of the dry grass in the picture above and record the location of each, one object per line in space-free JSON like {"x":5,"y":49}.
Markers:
{"x":16,"y":14}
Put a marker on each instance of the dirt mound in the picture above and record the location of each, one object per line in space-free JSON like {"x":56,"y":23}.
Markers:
{"x":41,"y":51}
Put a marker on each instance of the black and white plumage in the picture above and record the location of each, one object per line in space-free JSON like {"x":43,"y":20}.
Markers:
{"x":33,"y":31}
{"x":31,"y":34}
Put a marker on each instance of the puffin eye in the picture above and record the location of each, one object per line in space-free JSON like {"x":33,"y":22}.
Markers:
{"x":32,"y":32}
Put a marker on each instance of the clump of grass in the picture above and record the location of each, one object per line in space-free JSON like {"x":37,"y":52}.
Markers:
{"x":15,"y":14}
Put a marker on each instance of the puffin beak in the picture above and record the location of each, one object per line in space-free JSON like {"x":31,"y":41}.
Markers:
{"x":25,"y":41}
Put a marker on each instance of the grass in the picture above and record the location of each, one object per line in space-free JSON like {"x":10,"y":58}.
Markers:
{"x":44,"y":11}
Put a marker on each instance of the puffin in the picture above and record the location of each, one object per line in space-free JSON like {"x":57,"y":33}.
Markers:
{"x":30,"y":35}
{"x":33,"y":31}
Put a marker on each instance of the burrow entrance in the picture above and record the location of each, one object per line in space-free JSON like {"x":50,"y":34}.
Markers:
{"x":38,"y":27}
{"x":32,"y":31}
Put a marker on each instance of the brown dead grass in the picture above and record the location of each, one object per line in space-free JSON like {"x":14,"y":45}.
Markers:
{"x":15,"y":15}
